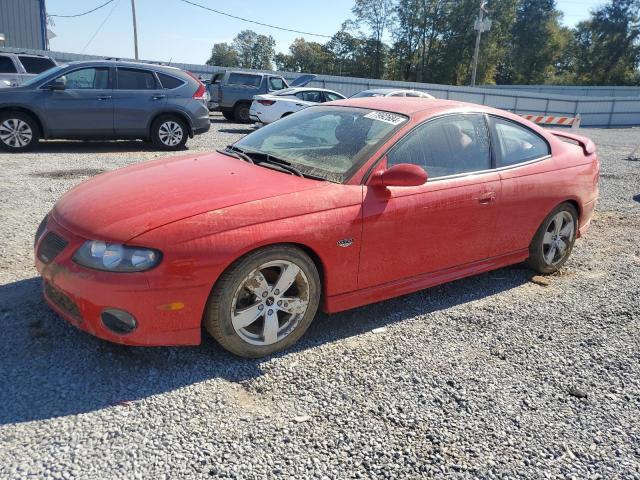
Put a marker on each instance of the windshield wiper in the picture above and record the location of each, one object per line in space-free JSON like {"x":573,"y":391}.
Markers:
{"x":283,"y":165}
{"x":238,"y":152}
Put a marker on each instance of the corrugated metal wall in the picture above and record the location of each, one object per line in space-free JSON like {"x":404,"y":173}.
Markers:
{"x":21,"y":23}
{"x":581,"y":91}
{"x":595,"y":111}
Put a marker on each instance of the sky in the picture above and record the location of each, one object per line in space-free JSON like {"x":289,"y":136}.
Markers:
{"x":176,"y":31}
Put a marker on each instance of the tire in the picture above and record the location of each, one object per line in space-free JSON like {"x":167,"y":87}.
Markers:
{"x":241,"y":113}
{"x":246,"y":297}
{"x":553,"y":242}
{"x":169,"y":132}
{"x":19,"y":132}
{"x":229,"y":115}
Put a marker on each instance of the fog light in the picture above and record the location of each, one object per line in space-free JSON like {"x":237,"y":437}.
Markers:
{"x":118,"y":321}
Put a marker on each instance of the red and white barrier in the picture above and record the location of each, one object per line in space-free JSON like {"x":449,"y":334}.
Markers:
{"x":573,"y":122}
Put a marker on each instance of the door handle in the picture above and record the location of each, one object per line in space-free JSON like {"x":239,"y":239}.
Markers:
{"x":487,"y":197}
{"x":105,"y":97}
{"x":158,"y":97}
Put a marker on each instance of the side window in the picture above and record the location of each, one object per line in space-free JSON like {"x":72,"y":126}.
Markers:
{"x":133,"y":79}
{"x":516,"y":144}
{"x":87,"y":79}
{"x":245,"y":79}
{"x":330,"y":97}
{"x":310,"y":96}
{"x":36,"y":64}
{"x":6,"y":65}
{"x":446,"y":146}
{"x":217,"y":78}
{"x":276,"y":83}
{"x":397,"y":94}
{"x":168,"y":81}
{"x":414,"y":94}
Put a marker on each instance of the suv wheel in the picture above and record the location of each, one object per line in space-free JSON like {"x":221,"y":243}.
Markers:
{"x":18,"y":132}
{"x":169,"y":132}
{"x":241,"y":113}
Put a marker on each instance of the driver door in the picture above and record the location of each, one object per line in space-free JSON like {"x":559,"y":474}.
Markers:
{"x":447,"y":222}
{"x":84,"y":108}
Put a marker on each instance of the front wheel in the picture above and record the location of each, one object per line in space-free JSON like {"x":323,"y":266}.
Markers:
{"x":264,"y":302}
{"x":554,"y":240}
{"x":169,"y":133}
{"x":18,"y":132}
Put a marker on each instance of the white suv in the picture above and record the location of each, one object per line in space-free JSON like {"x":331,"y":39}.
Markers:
{"x":16,"y":68}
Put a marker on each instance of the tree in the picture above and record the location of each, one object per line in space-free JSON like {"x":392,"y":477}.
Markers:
{"x":607,"y":50}
{"x":254,"y":50}
{"x":224,"y":55}
{"x":305,"y":57}
{"x":376,"y":14}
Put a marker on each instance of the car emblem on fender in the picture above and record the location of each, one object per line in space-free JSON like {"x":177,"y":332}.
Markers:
{"x":345,"y":242}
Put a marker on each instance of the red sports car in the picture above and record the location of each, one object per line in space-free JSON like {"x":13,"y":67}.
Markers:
{"x":336,"y":206}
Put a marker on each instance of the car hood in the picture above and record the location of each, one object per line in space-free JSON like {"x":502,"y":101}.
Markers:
{"x":120,"y":205}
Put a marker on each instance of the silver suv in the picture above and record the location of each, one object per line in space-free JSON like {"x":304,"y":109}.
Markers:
{"x":16,"y":68}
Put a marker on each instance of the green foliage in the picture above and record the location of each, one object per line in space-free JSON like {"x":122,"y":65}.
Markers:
{"x":433,"y":41}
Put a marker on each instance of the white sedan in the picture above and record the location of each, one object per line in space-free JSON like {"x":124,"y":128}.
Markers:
{"x":271,"y":107}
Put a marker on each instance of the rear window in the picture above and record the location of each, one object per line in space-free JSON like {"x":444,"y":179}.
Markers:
{"x":131,"y":79}
{"x":36,"y":65}
{"x":245,"y":79}
{"x":168,"y":81}
{"x":6,"y":65}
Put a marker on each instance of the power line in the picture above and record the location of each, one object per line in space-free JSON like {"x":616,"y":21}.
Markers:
{"x":84,"y":13}
{"x":253,"y":21}
{"x":101,"y":25}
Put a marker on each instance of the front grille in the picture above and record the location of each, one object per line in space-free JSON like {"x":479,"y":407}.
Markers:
{"x":62,"y":301}
{"x":40,"y":231}
{"x":51,"y":246}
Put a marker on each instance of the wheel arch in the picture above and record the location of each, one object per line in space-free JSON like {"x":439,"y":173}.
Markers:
{"x":183,"y":116}
{"x":29,"y":112}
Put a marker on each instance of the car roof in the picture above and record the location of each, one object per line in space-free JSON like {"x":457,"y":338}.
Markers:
{"x":313,"y":89}
{"x":387,"y":90}
{"x":124,"y":63}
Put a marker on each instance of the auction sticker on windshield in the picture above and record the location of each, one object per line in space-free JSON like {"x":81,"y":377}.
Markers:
{"x":387,"y":117}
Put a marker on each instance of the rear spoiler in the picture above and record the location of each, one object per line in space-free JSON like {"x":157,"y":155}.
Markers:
{"x":587,"y":145}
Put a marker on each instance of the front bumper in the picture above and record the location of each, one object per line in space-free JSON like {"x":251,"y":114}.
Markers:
{"x":80,"y":295}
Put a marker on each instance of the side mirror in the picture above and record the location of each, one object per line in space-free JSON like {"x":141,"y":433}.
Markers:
{"x":59,"y":83}
{"x":401,"y":175}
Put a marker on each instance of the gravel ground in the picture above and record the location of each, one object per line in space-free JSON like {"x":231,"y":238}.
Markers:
{"x":491,"y":377}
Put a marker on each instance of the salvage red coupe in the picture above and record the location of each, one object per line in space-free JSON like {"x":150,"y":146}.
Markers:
{"x":334,"y":207}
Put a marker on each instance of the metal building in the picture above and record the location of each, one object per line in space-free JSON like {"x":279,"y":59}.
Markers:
{"x":23,"y":24}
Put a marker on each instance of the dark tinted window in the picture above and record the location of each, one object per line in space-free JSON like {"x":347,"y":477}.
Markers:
{"x":6,"y":65}
{"x":168,"y":81}
{"x":516,"y":144}
{"x":245,"y":79}
{"x":276,"y":83}
{"x":217,"y":78}
{"x":131,"y":79}
{"x":87,"y":78}
{"x":310,"y":96}
{"x":332,"y":96}
{"x":36,"y":64}
{"x":446,"y":146}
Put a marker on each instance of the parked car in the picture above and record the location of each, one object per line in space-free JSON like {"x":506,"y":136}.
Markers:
{"x":16,"y":68}
{"x":337,"y":206}
{"x":105,"y":100}
{"x":232,"y":92}
{"x":271,"y":107}
{"x":391,"y":92}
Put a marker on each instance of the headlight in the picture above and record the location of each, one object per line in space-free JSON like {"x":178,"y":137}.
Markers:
{"x":114,"y":257}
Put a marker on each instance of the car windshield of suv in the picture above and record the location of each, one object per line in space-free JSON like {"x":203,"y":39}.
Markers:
{"x":329,"y":142}
{"x":42,"y":76}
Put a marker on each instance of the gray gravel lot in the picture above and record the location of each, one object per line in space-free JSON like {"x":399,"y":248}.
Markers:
{"x":489,"y":377}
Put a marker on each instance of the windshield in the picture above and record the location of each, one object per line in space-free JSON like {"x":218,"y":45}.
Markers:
{"x":42,"y":76}
{"x":329,"y":142}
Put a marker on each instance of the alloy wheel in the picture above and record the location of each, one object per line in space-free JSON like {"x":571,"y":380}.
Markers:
{"x":15,"y":133}
{"x":558,"y":238}
{"x":270,"y":302}
{"x":170,"y":133}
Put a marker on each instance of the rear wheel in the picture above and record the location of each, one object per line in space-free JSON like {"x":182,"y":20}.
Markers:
{"x":169,"y":132}
{"x":264,"y":302}
{"x":241,"y":113}
{"x":554,"y":240}
{"x":19,"y":132}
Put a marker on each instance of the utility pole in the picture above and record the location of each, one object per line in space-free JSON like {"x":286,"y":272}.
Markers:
{"x":135,"y":28}
{"x":480,"y":26}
